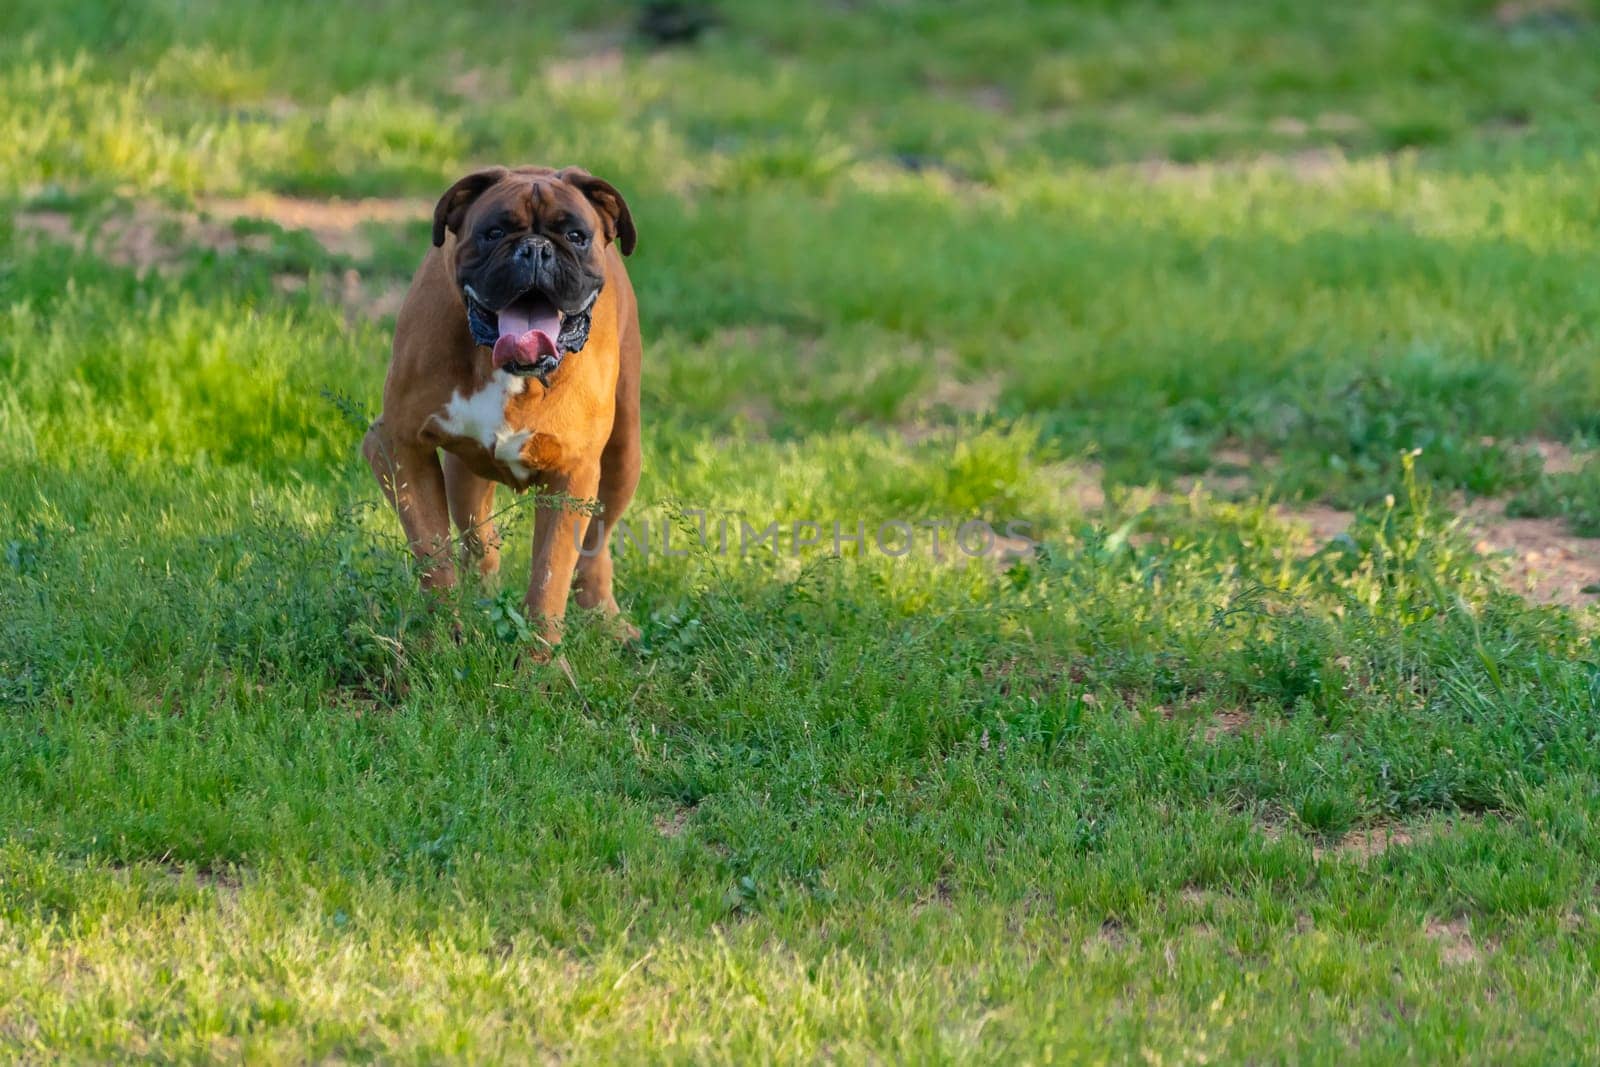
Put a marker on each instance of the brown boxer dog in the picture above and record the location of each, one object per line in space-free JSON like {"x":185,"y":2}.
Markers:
{"x":516,"y":360}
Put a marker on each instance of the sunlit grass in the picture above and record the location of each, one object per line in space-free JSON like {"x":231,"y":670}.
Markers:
{"x":1183,"y":783}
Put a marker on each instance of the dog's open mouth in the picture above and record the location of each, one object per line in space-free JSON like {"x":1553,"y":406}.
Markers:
{"x":529,"y":336}
{"x":525,"y":335}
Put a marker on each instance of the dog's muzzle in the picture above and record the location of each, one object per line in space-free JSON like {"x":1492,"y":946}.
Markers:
{"x":530,"y":336}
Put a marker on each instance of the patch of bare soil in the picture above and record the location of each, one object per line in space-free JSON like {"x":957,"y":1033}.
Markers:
{"x":1083,"y":484}
{"x":978,"y":397}
{"x":1233,"y":474}
{"x":1007,"y":550}
{"x":604,"y":62}
{"x":1230,"y":457}
{"x":1367,"y":843}
{"x":1545,"y":560}
{"x":950,"y":395}
{"x":336,"y":224}
{"x":1320,"y":523}
{"x":1226,"y":484}
{"x":1111,"y":937}
{"x":1225,"y":122}
{"x":1557,"y":458}
{"x":953,"y":543}
{"x":145,"y":237}
{"x":361,"y":299}
{"x":477,"y":85}
{"x":1559,"y":15}
{"x":1218,"y":722}
{"x":1363,"y":845}
{"x":673,"y":825}
{"x":995,"y":99}
{"x":1227,"y":721}
{"x":222,"y":878}
{"x":585,"y":57}
{"x":1310,"y":165}
{"x":54,"y":225}
{"x":1454,"y":938}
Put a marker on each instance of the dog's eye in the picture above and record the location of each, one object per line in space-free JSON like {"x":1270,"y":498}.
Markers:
{"x":577,"y":237}
{"x":494,"y":233}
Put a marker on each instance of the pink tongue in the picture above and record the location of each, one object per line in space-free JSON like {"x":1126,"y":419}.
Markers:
{"x":527,"y":332}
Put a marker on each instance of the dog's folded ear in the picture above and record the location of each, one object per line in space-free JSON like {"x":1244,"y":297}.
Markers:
{"x":453,"y":205}
{"x":613,"y":209}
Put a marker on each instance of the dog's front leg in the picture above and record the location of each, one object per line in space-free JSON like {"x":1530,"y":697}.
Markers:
{"x":558,"y":531}
{"x":413,"y":481}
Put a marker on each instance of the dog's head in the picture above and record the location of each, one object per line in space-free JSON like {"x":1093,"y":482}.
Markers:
{"x":530,"y":258}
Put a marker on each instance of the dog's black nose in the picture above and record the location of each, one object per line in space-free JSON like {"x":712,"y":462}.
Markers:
{"x":536,"y":250}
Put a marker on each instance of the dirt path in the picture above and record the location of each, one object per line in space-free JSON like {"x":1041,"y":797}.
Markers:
{"x":147,"y":237}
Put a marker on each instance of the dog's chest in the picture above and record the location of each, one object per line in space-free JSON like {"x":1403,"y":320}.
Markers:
{"x":487,"y":418}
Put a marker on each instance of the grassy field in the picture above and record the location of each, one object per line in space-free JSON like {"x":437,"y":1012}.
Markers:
{"x":1274,"y":322}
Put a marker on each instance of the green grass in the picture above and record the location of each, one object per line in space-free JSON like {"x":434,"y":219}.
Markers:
{"x":927,"y":263}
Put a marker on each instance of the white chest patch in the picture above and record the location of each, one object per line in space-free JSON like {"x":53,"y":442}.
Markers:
{"x":482,"y":417}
